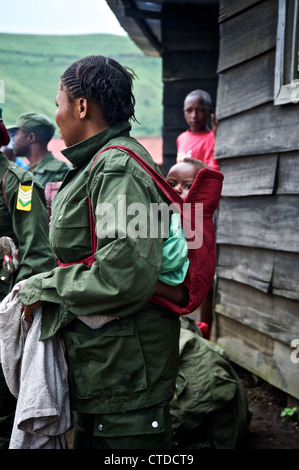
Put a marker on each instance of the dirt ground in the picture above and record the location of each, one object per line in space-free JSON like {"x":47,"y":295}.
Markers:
{"x":268,"y":430}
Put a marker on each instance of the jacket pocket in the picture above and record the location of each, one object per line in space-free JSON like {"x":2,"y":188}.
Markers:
{"x":108,"y":363}
{"x":70,"y":231}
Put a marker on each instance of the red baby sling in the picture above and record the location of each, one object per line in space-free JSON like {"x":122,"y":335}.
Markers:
{"x":205,"y":190}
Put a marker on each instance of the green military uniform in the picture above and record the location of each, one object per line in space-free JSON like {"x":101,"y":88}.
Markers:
{"x":210,"y":407}
{"x":50,"y":169}
{"x":121,"y":376}
{"x":29,"y":231}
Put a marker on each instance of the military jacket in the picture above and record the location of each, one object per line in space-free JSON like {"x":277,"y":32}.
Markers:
{"x":131,"y":362}
{"x":50,"y":169}
{"x":29,"y":230}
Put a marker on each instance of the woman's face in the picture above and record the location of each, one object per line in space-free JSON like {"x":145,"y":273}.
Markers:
{"x":67,"y":118}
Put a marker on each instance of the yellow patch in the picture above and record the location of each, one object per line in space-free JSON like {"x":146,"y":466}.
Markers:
{"x":24,"y":198}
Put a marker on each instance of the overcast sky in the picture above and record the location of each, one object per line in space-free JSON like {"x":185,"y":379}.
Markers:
{"x":58,"y":17}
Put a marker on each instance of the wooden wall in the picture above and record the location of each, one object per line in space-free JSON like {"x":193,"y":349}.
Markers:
{"x":190,"y":38}
{"x":257,"y":292}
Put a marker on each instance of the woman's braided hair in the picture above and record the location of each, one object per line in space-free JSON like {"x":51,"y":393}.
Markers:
{"x":104,"y":81}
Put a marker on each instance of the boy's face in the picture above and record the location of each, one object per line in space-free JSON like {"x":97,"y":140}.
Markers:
{"x":181,"y":177}
{"x":196,"y":113}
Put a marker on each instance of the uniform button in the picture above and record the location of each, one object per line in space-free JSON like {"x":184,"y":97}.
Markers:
{"x":2,"y":278}
{"x":59,"y":218}
{"x":155,"y":424}
{"x":100,"y":427}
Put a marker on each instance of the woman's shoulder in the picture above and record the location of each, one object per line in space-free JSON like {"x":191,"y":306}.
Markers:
{"x":115,"y":156}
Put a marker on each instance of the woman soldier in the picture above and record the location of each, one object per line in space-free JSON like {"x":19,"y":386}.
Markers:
{"x":121,"y":376}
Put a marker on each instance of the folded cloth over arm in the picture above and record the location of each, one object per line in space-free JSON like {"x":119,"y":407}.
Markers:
{"x":36,"y":373}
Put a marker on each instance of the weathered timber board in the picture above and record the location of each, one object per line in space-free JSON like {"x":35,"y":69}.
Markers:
{"x":265,"y":270}
{"x":253,"y":175}
{"x":288,"y":174}
{"x":191,"y":64}
{"x":274,"y":316}
{"x":173,"y":117}
{"x":246,"y":86}
{"x":251,"y":266}
{"x":263,"y":130}
{"x":169,"y":143}
{"x":270,"y":222}
{"x":191,"y":40}
{"x":192,"y":16}
{"x":248,"y":35}
{"x":256,"y":352}
{"x":286,"y":276}
{"x":228,"y":8}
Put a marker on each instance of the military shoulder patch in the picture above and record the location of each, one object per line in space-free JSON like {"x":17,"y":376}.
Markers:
{"x":24,"y":200}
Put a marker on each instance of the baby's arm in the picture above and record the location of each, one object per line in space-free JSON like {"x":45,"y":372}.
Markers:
{"x":176,"y":294}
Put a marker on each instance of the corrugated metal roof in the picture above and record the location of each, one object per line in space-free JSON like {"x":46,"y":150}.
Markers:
{"x":142,"y":20}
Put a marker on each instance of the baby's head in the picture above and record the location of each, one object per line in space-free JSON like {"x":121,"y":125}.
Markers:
{"x":182,"y":174}
{"x":197,"y":110}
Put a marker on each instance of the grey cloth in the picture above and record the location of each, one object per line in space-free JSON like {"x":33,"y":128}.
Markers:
{"x":36,"y":374}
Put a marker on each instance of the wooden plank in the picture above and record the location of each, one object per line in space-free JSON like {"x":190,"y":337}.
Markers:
{"x":191,"y":64}
{"x":252,"y":175}
{"x":168,"y":161}
{"x":270,"y":222}
{"x":251,"y":266}
{"x":266,"y":129}
{"x":228,"y":8}
{"x":173,"y":118}
{"x":169,"y":141}
{"x":274,"y":316}
{"x":286,"y":276}
{"x":288,"y":179}
{"x":248,"y":35}
{"x":192,"y":16}
{"x":191,"y":39}
{"x":246,"y":86}
{"x":256,"y":352}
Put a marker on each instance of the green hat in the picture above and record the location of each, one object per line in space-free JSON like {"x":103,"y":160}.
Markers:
{"x":39,"y":124}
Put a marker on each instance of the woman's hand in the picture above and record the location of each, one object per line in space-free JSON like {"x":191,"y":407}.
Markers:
{"x":28,"y":309}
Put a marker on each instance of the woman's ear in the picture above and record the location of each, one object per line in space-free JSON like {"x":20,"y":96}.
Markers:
{"x":83,"y":106}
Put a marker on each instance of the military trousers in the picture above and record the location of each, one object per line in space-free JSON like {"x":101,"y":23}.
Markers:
{"x":148,"y":428}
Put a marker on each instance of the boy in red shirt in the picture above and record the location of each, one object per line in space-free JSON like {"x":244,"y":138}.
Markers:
{"x":198,"y":141}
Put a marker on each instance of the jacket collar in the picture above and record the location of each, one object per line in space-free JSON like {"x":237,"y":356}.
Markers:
{"x":79,"y":154}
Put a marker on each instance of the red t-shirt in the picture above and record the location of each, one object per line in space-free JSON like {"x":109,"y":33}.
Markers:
{"x":199,"y":145}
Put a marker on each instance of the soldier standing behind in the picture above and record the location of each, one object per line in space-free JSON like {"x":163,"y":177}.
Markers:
{"x":24,"y":219}
{"x":33,"y":133}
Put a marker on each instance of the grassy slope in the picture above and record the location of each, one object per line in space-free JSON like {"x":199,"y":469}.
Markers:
{"x":30,"y":67}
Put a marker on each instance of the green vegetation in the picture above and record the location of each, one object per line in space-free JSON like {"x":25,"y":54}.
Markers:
{"x":31,"y":66}
{"x":290,"y":413}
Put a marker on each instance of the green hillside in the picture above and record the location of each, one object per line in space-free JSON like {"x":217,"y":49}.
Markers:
{"x":31,"y":65}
